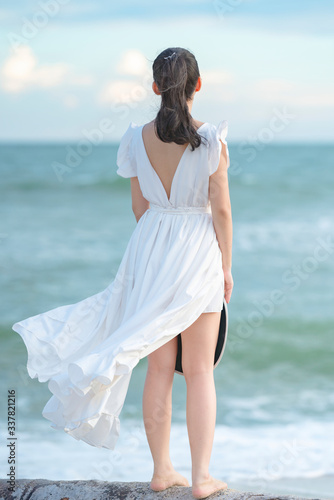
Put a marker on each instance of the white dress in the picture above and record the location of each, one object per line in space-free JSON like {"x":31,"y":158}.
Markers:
{"x":171,"y":273}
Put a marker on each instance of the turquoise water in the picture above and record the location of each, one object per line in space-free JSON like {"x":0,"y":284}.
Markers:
{"x":62,"y":239}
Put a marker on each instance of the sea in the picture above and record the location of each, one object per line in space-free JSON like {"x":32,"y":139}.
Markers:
{"x":66,"y":220}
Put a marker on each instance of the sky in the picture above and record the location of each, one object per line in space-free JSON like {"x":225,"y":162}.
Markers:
{"x":71,"y":70}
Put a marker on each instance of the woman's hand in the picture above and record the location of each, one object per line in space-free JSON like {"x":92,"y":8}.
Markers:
{"x":228,"y":285}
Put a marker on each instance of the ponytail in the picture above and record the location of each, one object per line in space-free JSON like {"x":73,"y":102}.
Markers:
{"x":175,"y":72}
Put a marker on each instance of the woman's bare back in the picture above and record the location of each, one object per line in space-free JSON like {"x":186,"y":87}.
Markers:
{"x":164,"y":156}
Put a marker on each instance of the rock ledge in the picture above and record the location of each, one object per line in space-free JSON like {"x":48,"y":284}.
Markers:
{"x":43,"y":489}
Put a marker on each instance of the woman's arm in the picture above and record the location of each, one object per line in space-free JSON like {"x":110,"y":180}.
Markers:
{"x":222,"y":217}
{"x":139,"y":203}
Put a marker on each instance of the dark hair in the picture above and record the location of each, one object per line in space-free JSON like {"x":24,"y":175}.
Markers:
{"x":175,"y":72}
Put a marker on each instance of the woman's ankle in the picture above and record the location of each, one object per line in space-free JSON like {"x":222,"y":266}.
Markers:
{"x":200,"y":477}
{"x":162,"y":468}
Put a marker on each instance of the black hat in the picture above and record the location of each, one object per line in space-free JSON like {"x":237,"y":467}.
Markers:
{"x":221,"y":342}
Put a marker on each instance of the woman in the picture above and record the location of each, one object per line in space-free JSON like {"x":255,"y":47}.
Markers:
{"x":173,"y":277}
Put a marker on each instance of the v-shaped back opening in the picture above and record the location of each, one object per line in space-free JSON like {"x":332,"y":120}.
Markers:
{"x":154,"y":170}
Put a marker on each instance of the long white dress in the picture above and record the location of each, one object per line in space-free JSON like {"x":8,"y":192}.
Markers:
{"x":171,"y":273}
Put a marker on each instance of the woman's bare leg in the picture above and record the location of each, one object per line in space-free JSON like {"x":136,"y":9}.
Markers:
{"x":157,"y":413}
{"x":198,"y":348}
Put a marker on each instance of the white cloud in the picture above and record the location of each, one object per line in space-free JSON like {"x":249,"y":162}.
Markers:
{"x":80,"y":80}
{"x":274,"y":88}
{"x":133,"y":62}
{"x":293,"y":94}
{"x":21,"y":71}
{"x":70,"y":101}
{"x":134,"y":84}
{"x":123,"y":91}
{"x":217,"y":77}
{"x":313,"y":99}
{"x":218,"y":85}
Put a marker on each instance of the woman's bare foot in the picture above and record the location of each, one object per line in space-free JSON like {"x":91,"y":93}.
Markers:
{"x":170,"y":478}
{"x":205,"y":488}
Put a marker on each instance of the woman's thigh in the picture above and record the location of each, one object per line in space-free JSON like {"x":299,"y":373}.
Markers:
{"x":199,"y":342}
{"x":164,"y":358}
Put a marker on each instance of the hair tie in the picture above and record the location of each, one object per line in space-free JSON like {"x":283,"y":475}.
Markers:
{"x":170,"y":57}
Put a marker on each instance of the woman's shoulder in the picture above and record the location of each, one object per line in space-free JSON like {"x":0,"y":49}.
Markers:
{"x":132,"y":127}
{"x":213,"y":129}
{"x":126,"y":154}
{"x":126,"y":140}
{"x":214,"y":134}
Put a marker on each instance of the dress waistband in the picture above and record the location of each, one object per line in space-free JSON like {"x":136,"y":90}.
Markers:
{"x":180,"y":210}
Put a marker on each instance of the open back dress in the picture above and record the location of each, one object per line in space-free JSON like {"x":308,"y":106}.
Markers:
{"x":171,"y":273}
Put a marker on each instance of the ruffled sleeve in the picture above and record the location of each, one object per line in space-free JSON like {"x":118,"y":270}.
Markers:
{"x":126,"y":160}
{"x":219,"y":134}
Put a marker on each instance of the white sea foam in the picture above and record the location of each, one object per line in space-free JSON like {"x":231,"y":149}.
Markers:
{"x":255,"y":453}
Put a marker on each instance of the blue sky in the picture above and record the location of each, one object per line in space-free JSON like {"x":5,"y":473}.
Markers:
{"x":66,"y":67}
